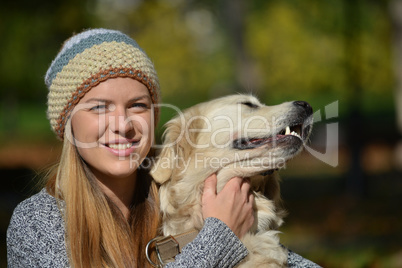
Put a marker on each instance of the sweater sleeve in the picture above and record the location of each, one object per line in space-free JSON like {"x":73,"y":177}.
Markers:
{"x":297,"y":261}
{"x":35,"y":236}
{"x":215,"y":246}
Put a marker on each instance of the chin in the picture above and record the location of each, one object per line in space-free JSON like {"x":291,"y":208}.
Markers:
{"x":122,"y":170}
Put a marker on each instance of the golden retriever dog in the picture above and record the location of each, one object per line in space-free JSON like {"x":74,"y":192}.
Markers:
{"x":231,"y":136}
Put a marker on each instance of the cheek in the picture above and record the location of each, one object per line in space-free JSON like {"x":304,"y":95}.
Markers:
{"x":85,"y":128}
{"x":143,"y":124}
{"x":85,"y":132}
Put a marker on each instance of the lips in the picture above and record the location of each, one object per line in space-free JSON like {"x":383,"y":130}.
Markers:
{"x":122,"y":147}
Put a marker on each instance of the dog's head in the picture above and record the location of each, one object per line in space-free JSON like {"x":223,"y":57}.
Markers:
{"x":236,"y":132}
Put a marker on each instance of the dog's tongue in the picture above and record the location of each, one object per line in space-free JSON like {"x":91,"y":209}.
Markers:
{"x":256,"y":141}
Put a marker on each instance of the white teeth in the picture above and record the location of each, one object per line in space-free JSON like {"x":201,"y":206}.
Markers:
{"x":120,"y":146}
{"x":295,"y":134}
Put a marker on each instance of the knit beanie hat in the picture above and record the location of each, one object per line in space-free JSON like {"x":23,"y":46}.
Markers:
{"x":88,"y":59}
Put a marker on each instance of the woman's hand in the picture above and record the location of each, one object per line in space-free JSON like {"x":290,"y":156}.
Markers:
{"x":233,"y":205}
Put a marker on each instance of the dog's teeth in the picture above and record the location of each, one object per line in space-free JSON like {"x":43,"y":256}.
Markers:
{"x":287,"y":130}
{"x":295,"y":134}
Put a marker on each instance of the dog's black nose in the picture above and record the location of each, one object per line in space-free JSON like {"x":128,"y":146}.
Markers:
{"x":306,"y":106}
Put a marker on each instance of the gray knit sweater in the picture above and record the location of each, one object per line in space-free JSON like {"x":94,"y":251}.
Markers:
{"x":35,"y":238}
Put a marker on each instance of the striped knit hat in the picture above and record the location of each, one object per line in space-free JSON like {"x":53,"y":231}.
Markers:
{"x":88,"y":59}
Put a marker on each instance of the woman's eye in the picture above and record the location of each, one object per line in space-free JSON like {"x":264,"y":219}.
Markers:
{"x":98,"y":107}
{"x":139,"y":105}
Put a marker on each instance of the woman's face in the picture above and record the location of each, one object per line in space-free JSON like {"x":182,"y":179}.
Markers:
{"x":112,"y":127}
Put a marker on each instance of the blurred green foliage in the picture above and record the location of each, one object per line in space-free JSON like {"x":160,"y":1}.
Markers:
{"x":294,"y":50}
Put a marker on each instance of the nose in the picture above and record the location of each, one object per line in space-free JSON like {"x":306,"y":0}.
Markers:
{"x":305,"y":105}
{"x":119,"y":122}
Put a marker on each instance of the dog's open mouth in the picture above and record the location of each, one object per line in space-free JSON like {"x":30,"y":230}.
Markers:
{"x":297,"y":131}
{"x":294,"y":130}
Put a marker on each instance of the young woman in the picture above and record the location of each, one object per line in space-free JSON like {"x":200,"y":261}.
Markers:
{"x":99,"y":208}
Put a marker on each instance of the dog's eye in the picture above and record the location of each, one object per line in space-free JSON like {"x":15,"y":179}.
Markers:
{"x":249,"y":104}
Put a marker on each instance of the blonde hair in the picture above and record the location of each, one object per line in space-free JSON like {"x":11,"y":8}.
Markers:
{"x":97,"y":233}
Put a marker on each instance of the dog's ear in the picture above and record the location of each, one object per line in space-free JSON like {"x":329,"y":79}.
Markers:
{"x":163,"y":167}
{"x":178,"y":146}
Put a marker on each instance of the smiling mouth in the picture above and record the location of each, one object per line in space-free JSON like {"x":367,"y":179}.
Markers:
{"x":121,"y":146}
{"x":296,"y":131}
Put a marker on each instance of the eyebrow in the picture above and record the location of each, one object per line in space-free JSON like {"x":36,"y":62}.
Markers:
{"x":140,"y":98}
{"x":109,"y":101}
{"x":97,"y":99}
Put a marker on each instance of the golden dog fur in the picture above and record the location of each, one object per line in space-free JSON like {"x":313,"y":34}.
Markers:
{"x":231,"y":136}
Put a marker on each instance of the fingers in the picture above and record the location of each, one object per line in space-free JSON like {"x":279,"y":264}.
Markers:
{"x":246,"y":186}
{"x":233,"y":205}
{"x":210,"y":186}
{"x":241,"y":185}
{"x":251,"y":198}
{"x":235,"y":183}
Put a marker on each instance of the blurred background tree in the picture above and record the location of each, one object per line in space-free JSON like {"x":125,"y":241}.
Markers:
{"x":279,"y":50}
